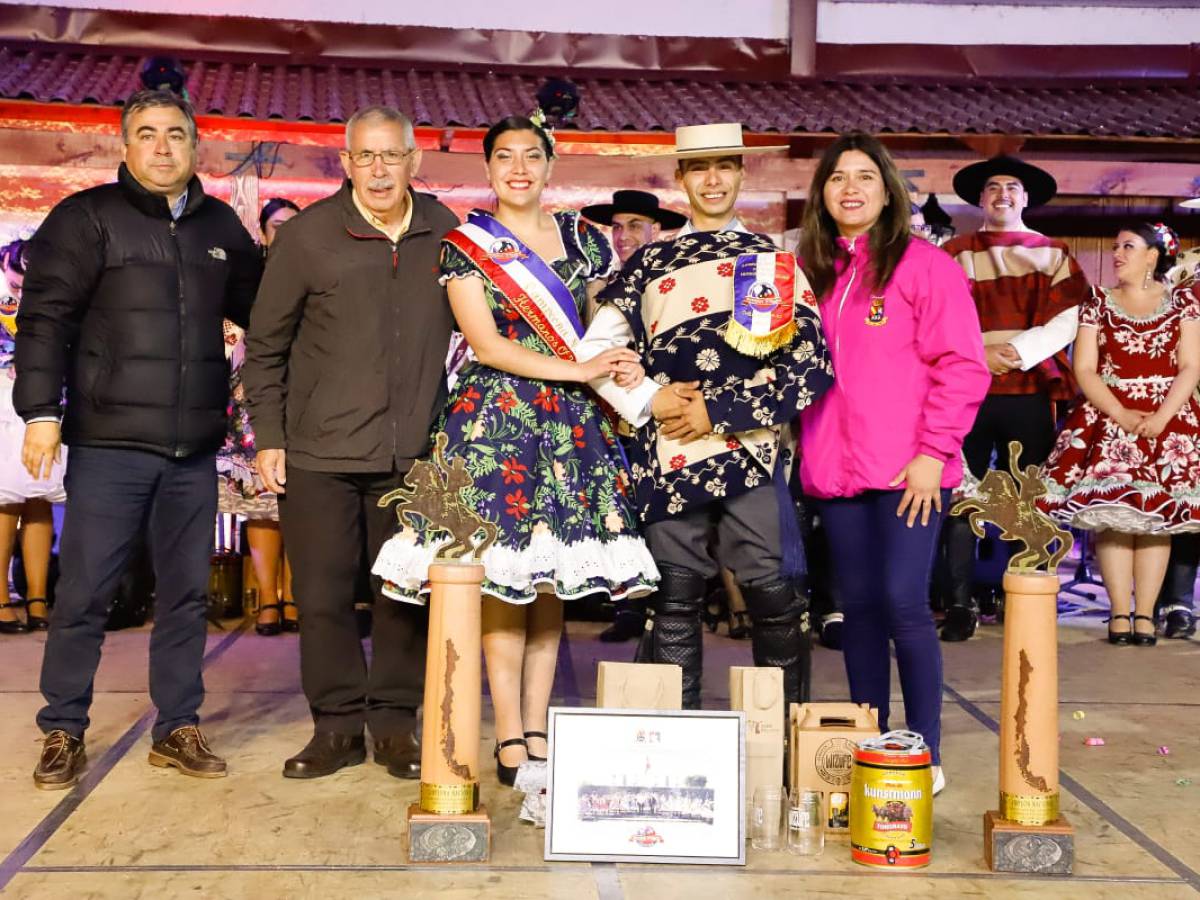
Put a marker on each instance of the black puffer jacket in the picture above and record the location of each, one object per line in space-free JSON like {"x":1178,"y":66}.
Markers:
{"x":124,"y":304}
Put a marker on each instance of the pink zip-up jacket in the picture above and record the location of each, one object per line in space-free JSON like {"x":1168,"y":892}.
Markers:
{"x":909,"y":373}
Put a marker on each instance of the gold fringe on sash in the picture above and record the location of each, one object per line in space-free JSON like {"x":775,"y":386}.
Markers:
{"x":758,"y":346}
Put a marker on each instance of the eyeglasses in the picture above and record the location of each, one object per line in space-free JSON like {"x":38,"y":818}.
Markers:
{"x":365,"y":158}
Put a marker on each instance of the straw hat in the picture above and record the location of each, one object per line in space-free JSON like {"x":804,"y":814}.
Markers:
{"x":692,"y":141}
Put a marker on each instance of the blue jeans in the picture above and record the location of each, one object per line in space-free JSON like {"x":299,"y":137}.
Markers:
{"x":882,"y":570}
{"x":112,"y":496}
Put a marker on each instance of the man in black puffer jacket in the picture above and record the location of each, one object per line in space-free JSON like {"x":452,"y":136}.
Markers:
{"x":124,"y":295}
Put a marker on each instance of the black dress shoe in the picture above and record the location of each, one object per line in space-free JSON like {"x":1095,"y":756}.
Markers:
{"x":830,"y":630}
{"x":62,"y":759}
{"x":1120,"y":638}
{"x":959,"y":624}
{"x":1141,"y":638}
{"x":1180,"y":624}
{"x":269,"y":629}
{"x":15,"y":626}
{"x":507,"y":775}
{"x":36,"y":623}
{"x":401,"y":753}
{"x":325,"y":754}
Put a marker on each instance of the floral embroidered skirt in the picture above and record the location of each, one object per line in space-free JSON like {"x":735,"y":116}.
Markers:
{"x":549,"y":473}
{"x":1099,"y":477}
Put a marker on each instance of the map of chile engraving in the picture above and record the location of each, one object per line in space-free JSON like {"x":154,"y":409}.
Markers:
{"x":1007,"y":501}
{"x":432,"y":491}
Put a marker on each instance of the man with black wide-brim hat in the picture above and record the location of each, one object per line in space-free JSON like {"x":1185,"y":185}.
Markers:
{"x":1027,"y":290}
{"x":635,"y":219}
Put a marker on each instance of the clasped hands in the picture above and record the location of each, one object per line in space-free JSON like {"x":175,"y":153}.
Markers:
{"x":1142,"y":424}
{"x":1002,"y":358}
{"x":680,"y":411}
{"x":620,"y":364}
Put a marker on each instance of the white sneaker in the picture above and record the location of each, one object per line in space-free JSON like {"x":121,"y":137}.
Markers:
{"x":939,"y":780}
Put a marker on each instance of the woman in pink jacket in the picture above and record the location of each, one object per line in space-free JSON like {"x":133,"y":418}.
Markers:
{"x":880,"y":451}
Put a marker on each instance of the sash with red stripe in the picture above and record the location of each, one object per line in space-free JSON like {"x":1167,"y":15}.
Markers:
{"x":524,"y":279}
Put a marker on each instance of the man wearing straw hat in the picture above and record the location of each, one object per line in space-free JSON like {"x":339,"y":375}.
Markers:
{"x":729,"y":334}
{"x":1027,"y":291}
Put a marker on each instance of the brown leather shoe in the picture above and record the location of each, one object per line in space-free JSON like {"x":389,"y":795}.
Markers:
{"x":62,"y":759}
{"x":401,"y":753}
{"x":186,"y":749}
{"x":325,"y":754}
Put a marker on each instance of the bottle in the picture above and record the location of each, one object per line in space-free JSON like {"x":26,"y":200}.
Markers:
{"x":805,"y":830}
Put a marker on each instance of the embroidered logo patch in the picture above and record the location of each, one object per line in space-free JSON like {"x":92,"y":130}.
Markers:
{"x":762,"y":297}
{"x":503,"y":251}
{"x":876,"y":316}
{"x":217,"y":253}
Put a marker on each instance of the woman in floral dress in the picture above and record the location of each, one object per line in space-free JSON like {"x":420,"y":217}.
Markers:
{"x":547,"y":468}
{"x":1127,"y":462}
{"x":241,"y":491}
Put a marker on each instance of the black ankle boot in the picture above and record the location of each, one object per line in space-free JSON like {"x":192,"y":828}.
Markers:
{"x":780,"y":633}
{"x":677,"y":636}
{"x":960,"y":623}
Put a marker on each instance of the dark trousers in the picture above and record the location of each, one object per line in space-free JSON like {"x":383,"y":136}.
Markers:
{"x":882,"y":569}
{"x":1179,"y":587}
{"x":747,"y":537}
{"x":112,"y":497}
{"x":1028,"y":418}
{"x":328,"y":519}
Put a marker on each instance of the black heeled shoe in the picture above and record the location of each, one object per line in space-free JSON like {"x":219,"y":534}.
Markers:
{"x":535,"y":734}
{"x":1144,"y":640}
{"x":507,"y":775}
{"x":290,"y":625}
{"x":16,"y":626}
{"x":36,"y":623}
{"x":269,"y":629}
{"x":1120,"y":638}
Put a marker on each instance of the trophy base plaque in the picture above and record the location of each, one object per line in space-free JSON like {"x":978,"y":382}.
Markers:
{"x":435,"y":839}
{"x":1029,"y":849}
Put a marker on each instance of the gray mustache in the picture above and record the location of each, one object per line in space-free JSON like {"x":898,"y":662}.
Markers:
{"x":381,"y":184}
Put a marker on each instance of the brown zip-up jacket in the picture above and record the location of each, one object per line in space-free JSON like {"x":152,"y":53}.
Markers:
{"x":347,"y":343}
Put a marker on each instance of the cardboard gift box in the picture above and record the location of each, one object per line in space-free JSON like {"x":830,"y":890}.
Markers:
{"x":759,"y":693}
{"x":823,"y":737}
{"x":639,"y":686}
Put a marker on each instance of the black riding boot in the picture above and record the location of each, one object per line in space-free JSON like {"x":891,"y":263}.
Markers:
{"x":962,"y":613}
{"x":675,"y":636}
{"x":780,"y":633}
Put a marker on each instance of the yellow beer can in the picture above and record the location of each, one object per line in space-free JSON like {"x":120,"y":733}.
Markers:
{"x":891,"y":802}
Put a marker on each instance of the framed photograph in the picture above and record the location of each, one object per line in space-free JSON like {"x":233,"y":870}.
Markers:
{"x":662,"y":786}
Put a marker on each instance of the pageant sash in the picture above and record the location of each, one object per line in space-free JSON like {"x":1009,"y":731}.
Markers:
{"x":529,"y":284}
{"x":764,"y":303}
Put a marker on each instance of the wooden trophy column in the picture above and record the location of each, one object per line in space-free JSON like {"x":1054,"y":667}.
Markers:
{"x":1028,"y":833}
{"x":449,"y":824}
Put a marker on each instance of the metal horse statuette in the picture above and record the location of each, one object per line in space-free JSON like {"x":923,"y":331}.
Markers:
{"x":431,"y":492}
{"x":1007,"y":501}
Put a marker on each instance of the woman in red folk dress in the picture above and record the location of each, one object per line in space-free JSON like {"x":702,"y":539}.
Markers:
{"x":1127,"y":462}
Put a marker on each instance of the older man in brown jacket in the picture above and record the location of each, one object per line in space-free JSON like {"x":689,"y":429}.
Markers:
{"x":344,"y":378}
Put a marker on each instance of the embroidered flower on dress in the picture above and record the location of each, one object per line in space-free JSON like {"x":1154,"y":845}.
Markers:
{"x":547,"y":400}
{"x":506,"y":401}
{"x":577,"y":435}
{"x":700,"y":305}
{"x":725,"y":269}
{"x":513,"y":471}
{"x":466,"y":401}
{"x":613,"y":521}
{"x":518,"y":504}
{"x":678,"y":462}
{"x":666,"y":285}
{"x":708,"y":360}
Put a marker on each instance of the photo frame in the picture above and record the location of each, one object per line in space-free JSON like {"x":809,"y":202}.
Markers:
{"x":658,"y":786}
